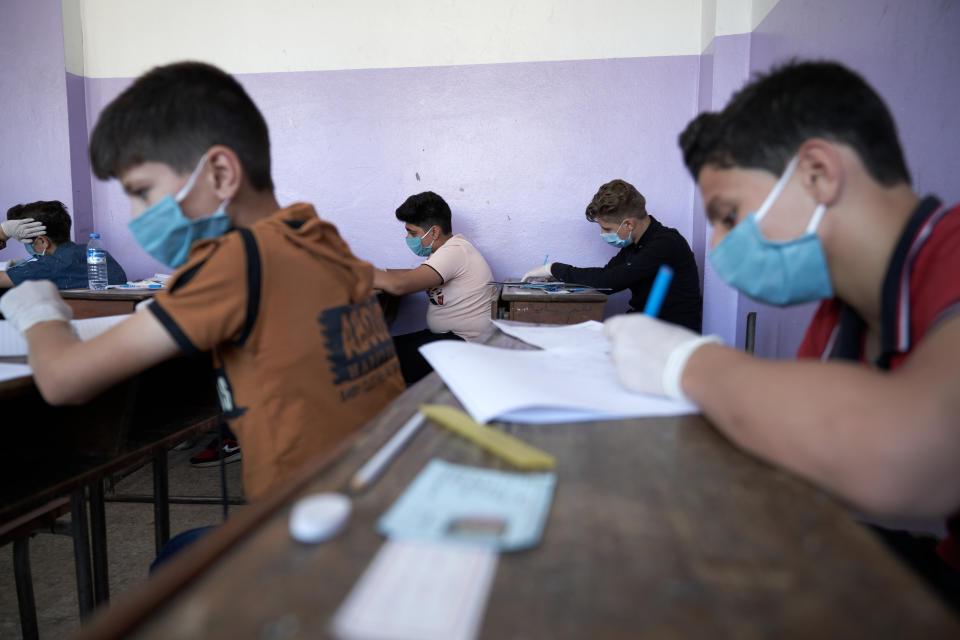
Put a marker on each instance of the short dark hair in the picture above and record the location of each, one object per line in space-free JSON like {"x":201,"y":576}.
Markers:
{"x":52,"y":213}
{"x":617,"y":200}
{"x":766,"y":122}
{"x":173,"y":114}
{"x":425,"y":210}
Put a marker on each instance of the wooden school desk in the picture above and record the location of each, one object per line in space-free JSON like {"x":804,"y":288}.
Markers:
{"x":534,"y":305}
{"x":111,"y":302}
{"x":51,"y":453}
{"x":658,"y":528}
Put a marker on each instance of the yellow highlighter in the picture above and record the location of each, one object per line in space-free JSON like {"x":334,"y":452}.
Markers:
{"x":513,"y":450}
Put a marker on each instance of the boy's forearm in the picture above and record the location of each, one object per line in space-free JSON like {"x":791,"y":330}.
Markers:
{"x":68,"y":370}
{"x":386,"y":279}
{"x":401,"y":282}
{"x":842,"y":426}
{"x":50,"y":345}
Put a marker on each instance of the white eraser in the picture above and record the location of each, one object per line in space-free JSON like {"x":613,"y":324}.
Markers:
{"x":319,"y":517}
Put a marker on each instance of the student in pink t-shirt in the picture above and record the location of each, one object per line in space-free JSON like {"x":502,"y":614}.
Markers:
{"x":455,"y":276}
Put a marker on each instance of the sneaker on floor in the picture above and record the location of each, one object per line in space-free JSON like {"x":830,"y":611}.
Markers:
{"x":209,"y":458}
{"x":189,"y":443}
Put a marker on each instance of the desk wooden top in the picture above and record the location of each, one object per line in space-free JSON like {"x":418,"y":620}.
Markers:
{"x":658,"y":528}
{"x":108,"y":294}
{"x":516,"y":294}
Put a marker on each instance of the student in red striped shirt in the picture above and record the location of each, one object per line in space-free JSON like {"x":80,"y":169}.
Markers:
{"x":809,"y":196}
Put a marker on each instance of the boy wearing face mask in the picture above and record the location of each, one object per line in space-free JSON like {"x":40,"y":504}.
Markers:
{"x":52,"y":255}
{"x":645,"y":244}
{"x":809,"y":196}
{"x":455,"y":276}
{"x":301,"y":353}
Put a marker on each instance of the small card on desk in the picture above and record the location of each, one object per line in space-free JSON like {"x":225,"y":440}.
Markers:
{"x":454,"y":503}
{"x":419,"y":590}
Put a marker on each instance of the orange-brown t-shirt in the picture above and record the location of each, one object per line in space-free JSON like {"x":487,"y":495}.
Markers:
{"x":301,"y":351}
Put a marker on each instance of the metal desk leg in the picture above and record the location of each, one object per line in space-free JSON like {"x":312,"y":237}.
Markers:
{"x":81,"y":551}
{"x":161,"y":497}
{"x":98,"y":536}
{"x":24,"y":579}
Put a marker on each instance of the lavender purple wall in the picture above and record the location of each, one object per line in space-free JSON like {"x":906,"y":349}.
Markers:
{"x":517,"y":150}
{"x":908,"y":50}
{"x":34,"y":161}
{"x":83,"y":219}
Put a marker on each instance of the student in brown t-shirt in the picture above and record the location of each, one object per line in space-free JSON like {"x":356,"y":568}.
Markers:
{"x":302,"y":355}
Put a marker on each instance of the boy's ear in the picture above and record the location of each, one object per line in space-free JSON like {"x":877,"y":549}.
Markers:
{"x":822,"y":170}
{"x":227,"y":171}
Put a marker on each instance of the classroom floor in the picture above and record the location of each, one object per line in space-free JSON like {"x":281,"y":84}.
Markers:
{"x":130,"y":545}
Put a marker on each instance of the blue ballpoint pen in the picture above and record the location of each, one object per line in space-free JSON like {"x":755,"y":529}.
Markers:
{"x":658,"y":291}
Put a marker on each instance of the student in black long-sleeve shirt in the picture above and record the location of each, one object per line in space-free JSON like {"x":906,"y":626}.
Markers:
{"x":644,"y":244}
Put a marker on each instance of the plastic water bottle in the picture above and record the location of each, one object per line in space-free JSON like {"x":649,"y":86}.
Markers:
{"x":96,"y":263}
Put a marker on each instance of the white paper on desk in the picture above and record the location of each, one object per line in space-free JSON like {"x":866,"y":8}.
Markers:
{"x":585,"y":335}
{"x":13,"y":344}
{"x":421,"y":590}
{"x":515,"y":386}
{"x":11,"y":370}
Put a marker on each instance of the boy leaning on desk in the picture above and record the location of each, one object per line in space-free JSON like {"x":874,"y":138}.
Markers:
{"x":455,"y":276}
{"x":809,"y":196}
{"x":645,"y":245}
{"x":52,"y":256}
{"x":300,"y":349}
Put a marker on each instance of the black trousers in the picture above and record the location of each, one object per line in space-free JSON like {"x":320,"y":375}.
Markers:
{"x":414,"y":366}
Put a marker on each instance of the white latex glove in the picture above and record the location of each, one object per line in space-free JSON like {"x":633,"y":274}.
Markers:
{"x":650,"y":354}
{"x":543,"y":271}
{"x":32,"y":302}
{"x":23,"y":230}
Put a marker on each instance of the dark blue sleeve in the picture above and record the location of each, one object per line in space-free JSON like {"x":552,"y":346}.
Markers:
{"x":33,"y":270}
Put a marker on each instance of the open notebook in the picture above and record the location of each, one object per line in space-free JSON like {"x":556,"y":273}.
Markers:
{"x":571,"y":379}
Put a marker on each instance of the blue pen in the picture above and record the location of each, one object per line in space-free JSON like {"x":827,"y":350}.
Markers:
{"x":658,"y":291}
{"x":545,"y":258}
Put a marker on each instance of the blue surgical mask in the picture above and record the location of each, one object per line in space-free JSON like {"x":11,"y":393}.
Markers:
{"x":33,"y":252}
{"x":777,"y":273}
{"x":416,"y":245}
{"x":615,"y":239}
{"x":166,"y":234}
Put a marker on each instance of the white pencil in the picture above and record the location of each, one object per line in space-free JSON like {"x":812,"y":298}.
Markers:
{"x":382,"y":458}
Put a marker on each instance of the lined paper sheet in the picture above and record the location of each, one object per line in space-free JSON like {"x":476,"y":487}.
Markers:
{"x":13,"y":344}
{"x":541,"y":387}
{"x":419,"y":590}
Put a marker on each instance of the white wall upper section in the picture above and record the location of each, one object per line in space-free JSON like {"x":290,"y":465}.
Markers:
{"x":729,"y":17}
{"x":72,"y":35}
{"x":123,"y":38}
